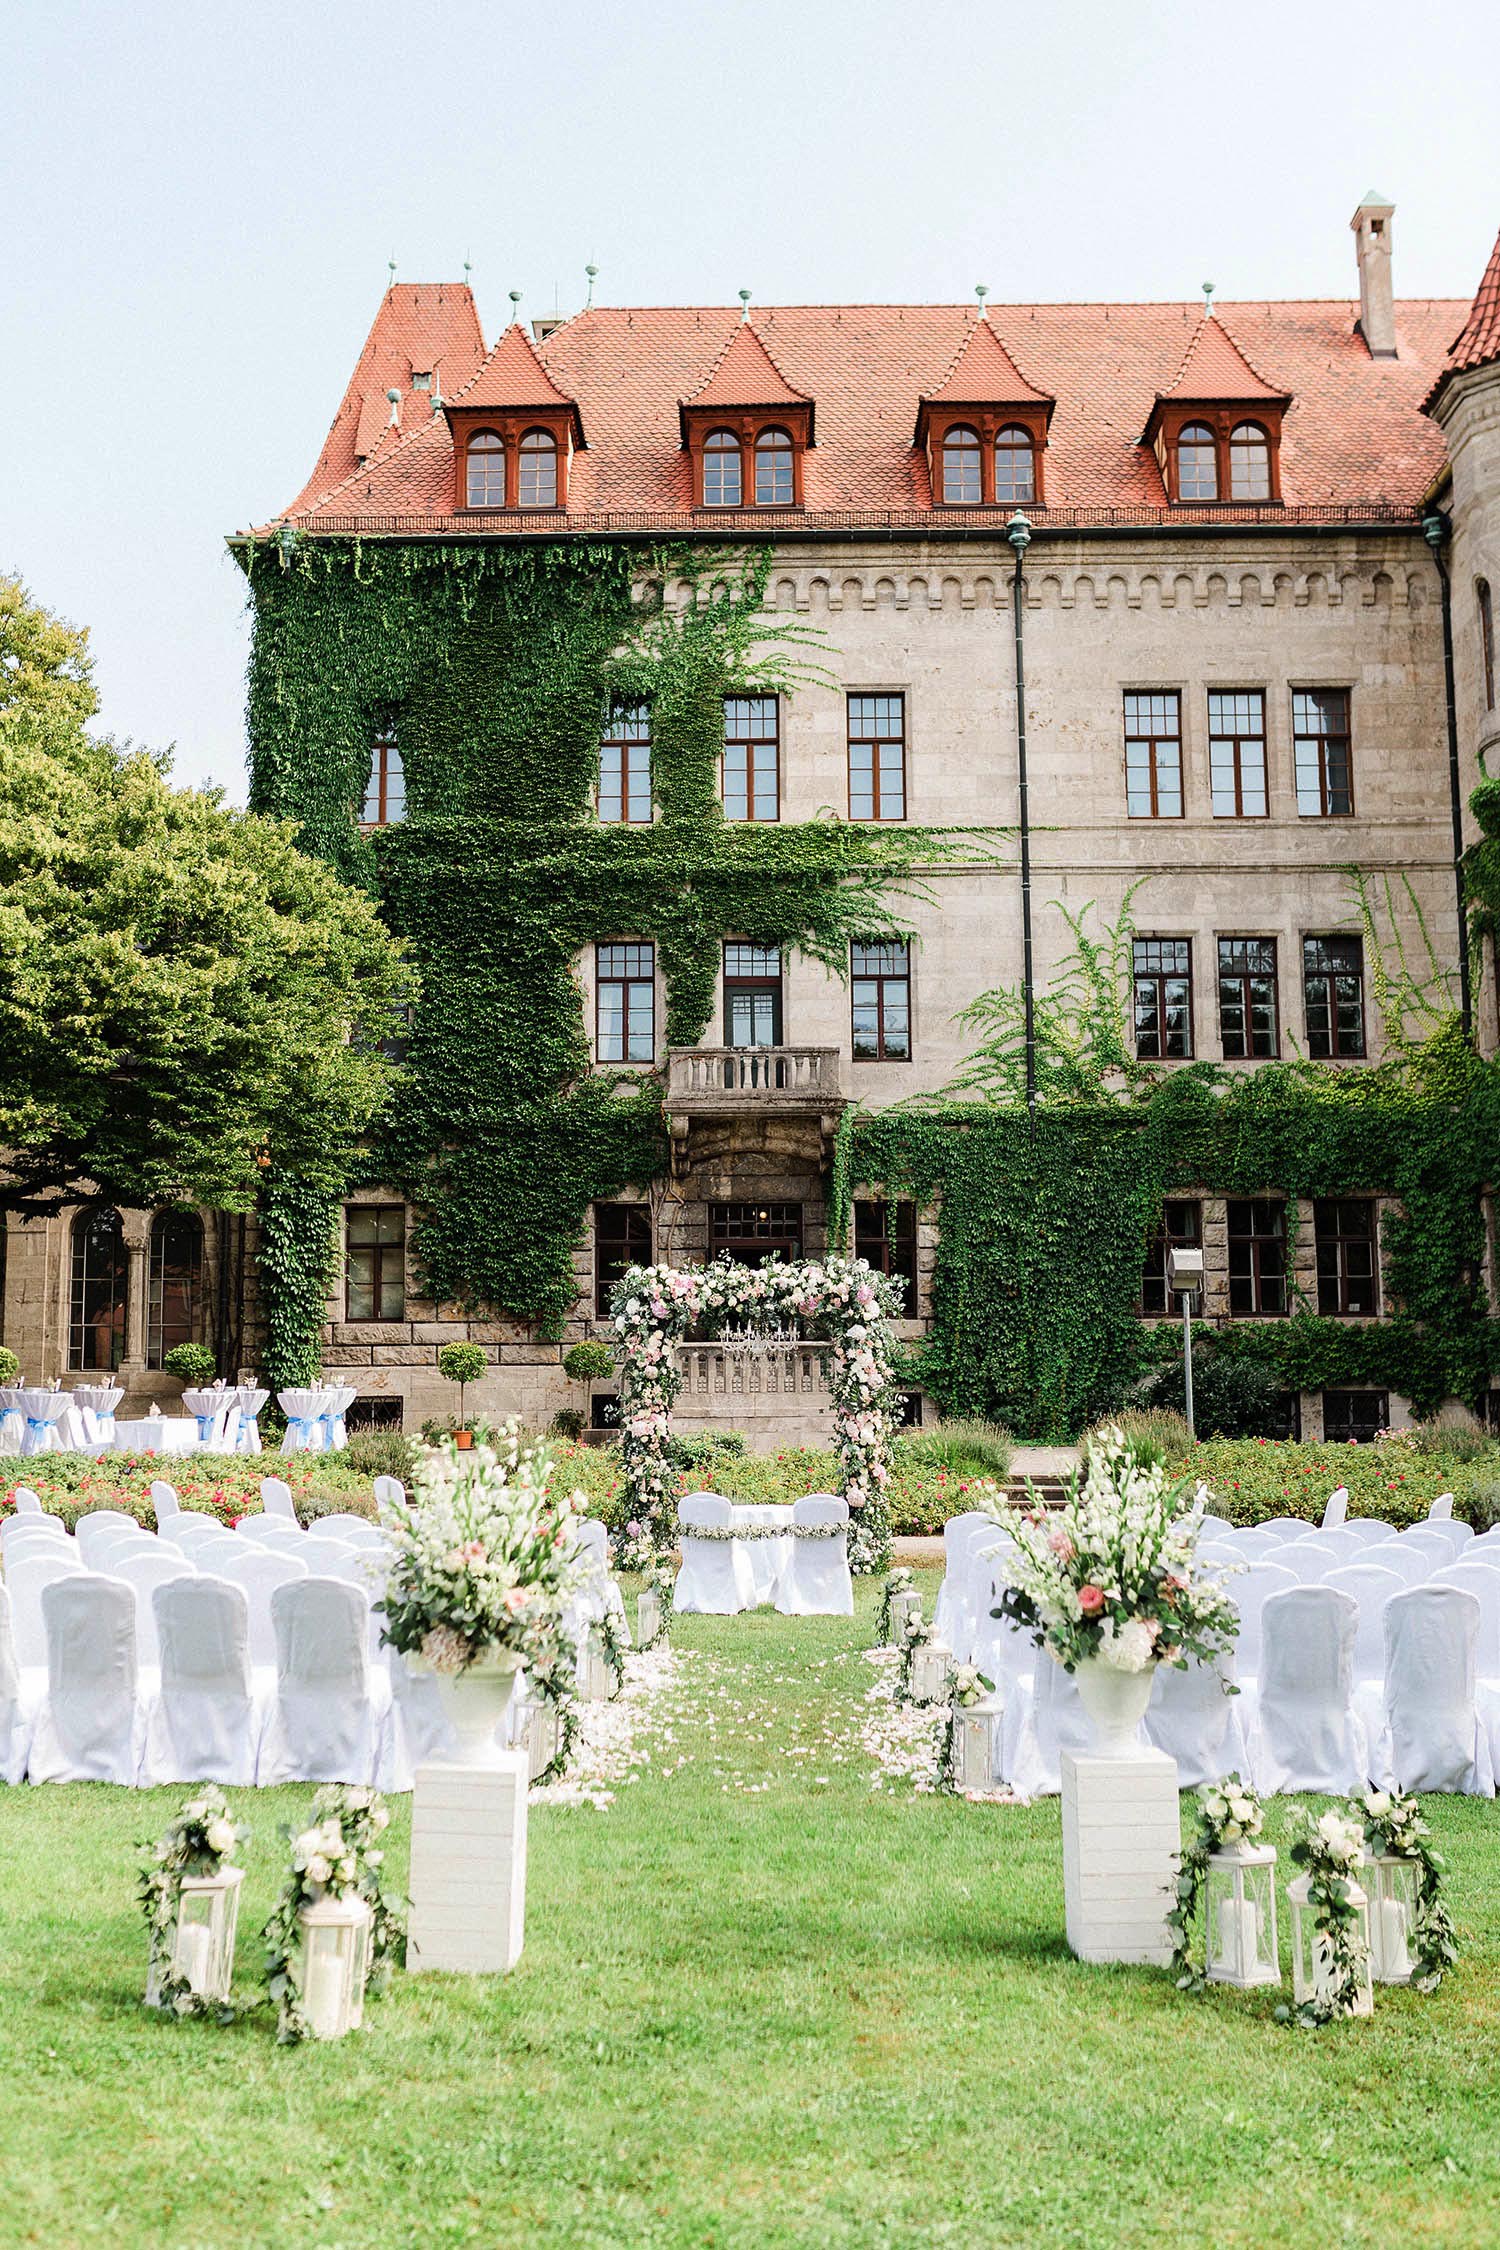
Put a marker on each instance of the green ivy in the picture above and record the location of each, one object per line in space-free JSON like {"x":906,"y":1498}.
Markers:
{"x":296,"y":1256}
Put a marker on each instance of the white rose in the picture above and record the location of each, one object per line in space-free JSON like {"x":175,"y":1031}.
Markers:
{"x":1378,"y":1802}
{"x":1242,"y":1809}
{"x":347,"y":1871}
{"x":1232,"y":1832}
{"x":305,"y":1846}
{"x":317,"y":1869}
{"x":220,"y":1836}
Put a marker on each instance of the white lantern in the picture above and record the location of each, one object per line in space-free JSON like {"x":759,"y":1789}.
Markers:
{"x":931,"y":1664}
{"x":1393,"y":1916}
{"x":543,"y":1737}
{"x":903,"y":1606}
{"x":647,"y":1615}
{"x":333,"y":1963}
{"x":1312,"y":1966}
{"x":208,"y":1908}
{"x":1240,"y":1909}
{"x":595,"y":1679}
{"x":976,"y":1744}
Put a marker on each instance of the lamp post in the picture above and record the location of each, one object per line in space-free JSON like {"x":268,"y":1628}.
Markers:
{"x":1184,"y":1277}
{"x":1018,"y":532}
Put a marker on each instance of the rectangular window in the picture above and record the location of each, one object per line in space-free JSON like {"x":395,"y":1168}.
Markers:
{"x":1163,"y":999}
{"x":1237,"y":753}
{"x":1333,"y":988}
{"x":877,"y":757}
{"x":1348,"y":1268}
{"x":1248,"y":1026}
{"x":1181,"y":1228}
{"x":1153,"y":756}
{"x":1355,"y":1417}
{"x":625,"y":765}
{"x":622,"y":1238}
{"x":625,"y":1003}
{"x":885,"y":1236}
{"x":749,"y":1234}
{"x":752,"y":994}
{"x":385,"y":791}
{"x":1257,"y":1255}
{"x":880,"y":1001}
{"x":751,"y":766}
{"x":375,"y":1264}
{"x":1320,"y":751}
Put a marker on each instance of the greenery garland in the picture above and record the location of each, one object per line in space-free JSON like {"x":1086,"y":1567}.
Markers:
{"x":970,"y":1686}
{"x":1226,"y":1813}
{"x":1328,"y":1850}
{"x":1395,"y":1829}
{"x":612,"y":1649}
{"x":336,"y":1856}
{"x":202,"y":1840}
{"x":899,"y":1581}
{"x":554,"y":1681}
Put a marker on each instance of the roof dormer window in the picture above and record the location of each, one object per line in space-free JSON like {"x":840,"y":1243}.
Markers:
{"x":486,"y":470}
{"x":745,"y":430}
{"x":1015,"y":467}
{"x":1197,"y":463}
{"x":537,"y":483}
{"x":723,"y":470}
{"x":422,"y":381}
{"x":962,"y":470}
{"x":1249,"y":462}
{"x":1216,"y":428}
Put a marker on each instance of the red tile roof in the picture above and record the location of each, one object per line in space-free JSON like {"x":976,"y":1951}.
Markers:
{"x":984,"y":374}
{"x":1215,"y":372}
{"x":1478,"y":341}
{"x":1355,"y":444}
{"x":511,"y":377}
{"x":746,"y":375}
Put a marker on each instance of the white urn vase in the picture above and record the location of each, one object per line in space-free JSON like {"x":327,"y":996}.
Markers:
{"x":1114,"y":1704}
{"x":475,"y":1702}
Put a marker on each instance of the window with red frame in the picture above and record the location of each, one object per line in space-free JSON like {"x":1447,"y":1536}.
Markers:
{"x":723,"y":470}
{"x":536,"y":480}
{"x":963,"y":482}
{"x":485,"y":460}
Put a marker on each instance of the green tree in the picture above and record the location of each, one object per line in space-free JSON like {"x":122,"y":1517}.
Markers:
{"x":179,"y":985}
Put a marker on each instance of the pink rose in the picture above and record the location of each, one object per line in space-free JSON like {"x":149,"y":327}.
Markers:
{"x":516,"y":1599}
{"x":1058,"y":1541}
{"x":1091,"y":1600}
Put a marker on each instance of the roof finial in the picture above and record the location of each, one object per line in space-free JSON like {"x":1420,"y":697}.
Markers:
{"x":515,"y":304}
{"x":1208,"y":300}
{"x":744,"y":304}
{"x":593,"y":273}
{"x":395,"y":398}
{"x":468,"y":269}
{"x":390,"y":267}
{"x":981,"y":291}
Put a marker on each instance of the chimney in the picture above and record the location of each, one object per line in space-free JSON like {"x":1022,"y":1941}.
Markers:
{"x":1377,"y":305}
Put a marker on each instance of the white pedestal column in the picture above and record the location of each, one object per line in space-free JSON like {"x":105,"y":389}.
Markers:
{"x":468,"y":1866}
{"x":1121,"y":1829}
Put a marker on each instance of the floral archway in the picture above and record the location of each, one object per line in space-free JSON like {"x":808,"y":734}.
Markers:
{"x":839,"y":1304}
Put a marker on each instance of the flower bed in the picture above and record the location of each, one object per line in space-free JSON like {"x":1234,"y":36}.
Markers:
{"x":1252,"y":1479}
{"x":227,"y":1485}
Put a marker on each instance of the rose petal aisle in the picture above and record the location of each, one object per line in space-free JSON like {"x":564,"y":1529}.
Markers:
{"x":619,"y":1739}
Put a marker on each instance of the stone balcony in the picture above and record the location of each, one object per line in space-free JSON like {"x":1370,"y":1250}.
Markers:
{"x":776,"y":1394}
{"x":730,"y":1085}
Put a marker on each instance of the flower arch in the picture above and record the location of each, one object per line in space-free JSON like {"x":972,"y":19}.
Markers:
{"x":839,"y":1303}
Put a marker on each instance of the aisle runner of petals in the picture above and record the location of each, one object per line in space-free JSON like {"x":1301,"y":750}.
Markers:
{"x":615,"y":1740}
{"x":903,"y":1739}
{"x":740,"y":1726}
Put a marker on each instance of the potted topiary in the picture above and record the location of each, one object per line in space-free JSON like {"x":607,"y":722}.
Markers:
{"x":588,"y":1363}
{"x":194,"y":1363}
{"x":10,"y":1366}
{"x":462,"y":1364}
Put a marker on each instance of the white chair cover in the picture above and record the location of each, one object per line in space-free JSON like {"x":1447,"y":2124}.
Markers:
{"x":321,"y":1553}
{"x":1441,"y":1510}
{"x":1288,"y":1527}
{"x":1337,"y":1509}
{"x":1249,"y":1590}
{"x":28,"y":1503}
{"x":1039,"y":1726}
{"x":15,"y":1721}
{"x":389,"y":1492}
{"x":95,"y":1531}
{"x":1368,"y":1530}
{"x":28,"y":1578}
{"x":198,"y":1536}
{"x":258,"y":1571}
{"x":1371,"y":1587}
{"x":1194,"y":1719}
{"x":276,"y":1498}
{"x":1306,"y":1733}
{"x":1433,"y":1736}
{"x":249,"y":1401}
{"x":715,"y":1579}
{"x":12,"y":1421}
{"x":1458,"y":1537}
{"x":1483,"y":1582}
{"x":815,"y":1581}
{"x":143,"y":1571}
{"x":1412,"y":1565}
{"x":164,"y":1501}
{"x":105,"y":1545}
{"x":952,"y":1616}
{"x":1005,"y":1653}
{"x":1312,"y":1559}
{"x":97,"y":1402}
{"x":24,"y":1530}
{"x":89,"y":1727}
{"x":205,"y":1720}
{"x":331,"y":1714}
{"x":1427,"y":1539}
{"x":419,"y":1728}
{"x":354,"y":1531}
{"x":24,"y":1542}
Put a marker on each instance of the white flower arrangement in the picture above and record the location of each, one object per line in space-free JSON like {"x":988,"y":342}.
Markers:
{"x":1228,"y":1813}
{"x":840,"y":1304}
{"x":970,"y":1686}
{"x":1330,"y":1850}
{"x":481,"y":1556}
{"x":1113,"y":1575}
{"x":1393,"y":1827}
{"x":201,"y":1840}
{"x":337,"y":1855}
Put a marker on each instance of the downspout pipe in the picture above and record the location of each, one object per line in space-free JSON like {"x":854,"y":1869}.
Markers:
{"x":1018,"y":532}
{"x":1436,"y":530}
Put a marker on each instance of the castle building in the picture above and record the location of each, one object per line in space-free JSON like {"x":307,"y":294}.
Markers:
{"x":1251,"y":526}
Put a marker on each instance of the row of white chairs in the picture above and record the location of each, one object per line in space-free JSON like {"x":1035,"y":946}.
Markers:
{"x":1341,"y":1676}
{"x":807,"y":1577}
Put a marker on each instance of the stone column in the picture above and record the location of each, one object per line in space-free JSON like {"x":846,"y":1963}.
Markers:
{"x":136,"y":1226}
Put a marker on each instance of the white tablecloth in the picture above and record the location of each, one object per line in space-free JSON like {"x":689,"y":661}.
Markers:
{"x":161,"y":1433}
{"x":767,"y":1557}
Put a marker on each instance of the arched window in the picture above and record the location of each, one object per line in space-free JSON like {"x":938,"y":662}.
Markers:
{"x":486,"y":470}
{"x":1249,"y":462}
{"x":538,"y":477}
{"x":1197,"y":464}
{"x":1486,"y":640}
{"x":723,"y":476}
{"x":961,"y":480}
{"x":172,"y":1308}
{"x":1015,"y":468}
{"x":96,"y":1322}
{"x":773,"y":469}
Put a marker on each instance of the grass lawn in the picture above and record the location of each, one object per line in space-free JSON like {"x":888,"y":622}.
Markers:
{"x":805,"y":2013}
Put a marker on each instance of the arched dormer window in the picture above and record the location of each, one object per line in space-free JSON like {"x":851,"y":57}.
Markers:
{"x":537,"y":483}
{"x":1197,"y":463}
{"x":773,"y":469}
{"x":96,"y":1310}
{"x":723,"y":471}
{"x":1015,"y":468}
{"x":172,"y":1309}
{"x":962,"y":482}
{"x":486,"y":470}
{"x":1249,"y":462}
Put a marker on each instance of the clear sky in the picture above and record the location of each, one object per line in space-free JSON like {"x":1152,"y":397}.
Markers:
{"x":199,"y":200}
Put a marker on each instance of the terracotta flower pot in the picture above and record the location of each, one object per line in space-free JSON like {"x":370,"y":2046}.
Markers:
{"x":463,"y":1439}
